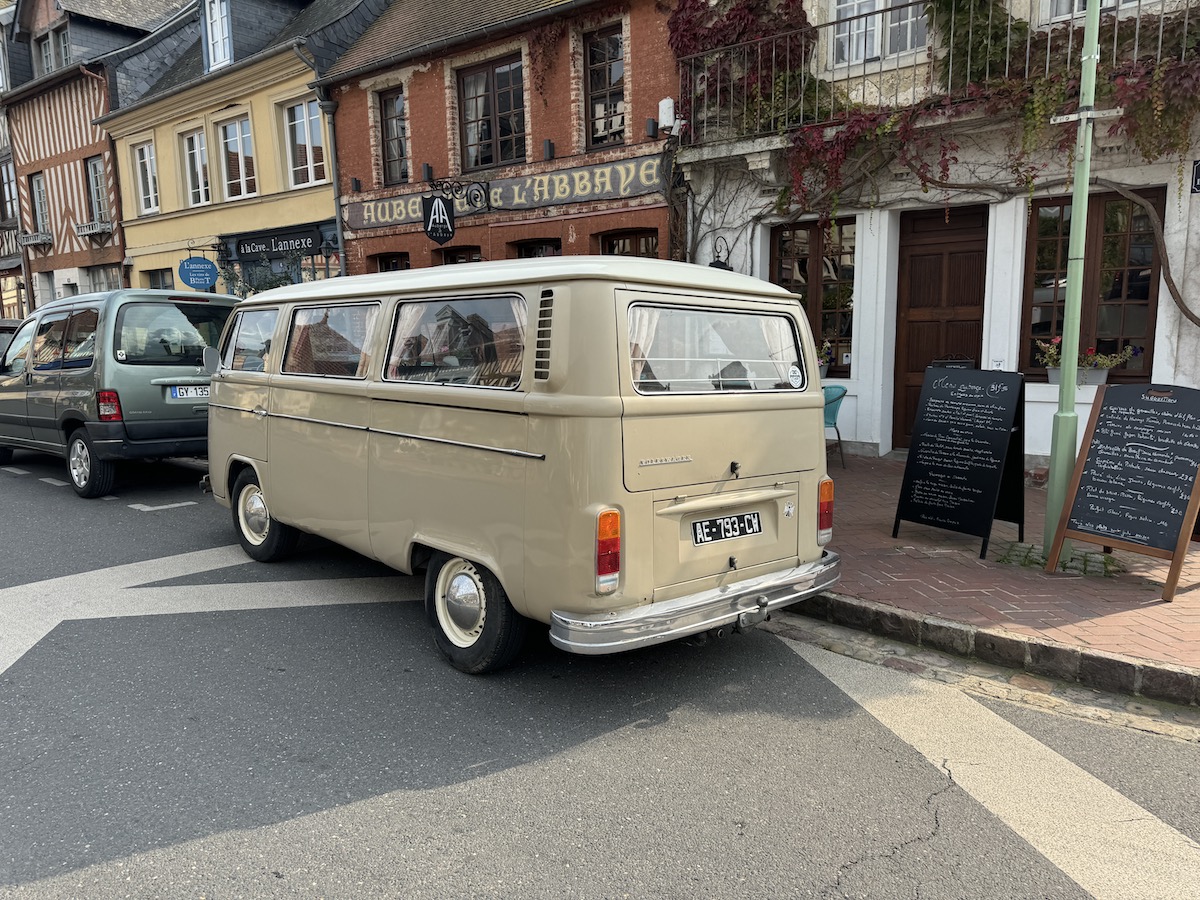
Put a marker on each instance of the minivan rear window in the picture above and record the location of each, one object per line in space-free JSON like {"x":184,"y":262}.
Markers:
{"x":681,"y":350}
{"x":168,"y":333}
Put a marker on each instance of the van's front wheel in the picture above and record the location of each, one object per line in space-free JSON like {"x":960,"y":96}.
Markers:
{"x":263,"y":538}
{"x":474,"y":625}
{"x":90,"y":476}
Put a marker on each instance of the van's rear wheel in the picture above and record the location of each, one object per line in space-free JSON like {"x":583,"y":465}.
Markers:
{"x":6,"y":456}
{"x":90,"y":475}
{"x":262,"y":537}
{"x":474,"y":625}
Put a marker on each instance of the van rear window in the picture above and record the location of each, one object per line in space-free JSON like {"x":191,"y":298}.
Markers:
{"x":168,"y":334}
{"x":686,"y":351}
{"x":477,"y":341}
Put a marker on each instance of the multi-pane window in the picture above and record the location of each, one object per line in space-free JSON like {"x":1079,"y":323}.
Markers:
{"x":393,"y":262}
{"x":538,"y":249}
{"x":216,"y":27}
{"x":818,"y":264}
{"x":41,"y":208}
{"x":104,"y":278}
{"x":1120,"y":281}
{"x":491,"y":100}
{"x":306,"y":150}
{"x":161,"y":279}
{"x":53,"y":51}
{"x":97,"y":189}
{"x":630,"y":243}
{"x":454,"y":255}
{"x":8,"y":183}
{"x":147,"y":177}
{"x":1065,"y":9}
{"x":238,"y":153}
{"x":45,"y":55}
{"x":605,"y":55}
{"x":870,"y":29}
{"x":195,"y":164}
{"x":63,"y":38}
{"x":395,"y":137}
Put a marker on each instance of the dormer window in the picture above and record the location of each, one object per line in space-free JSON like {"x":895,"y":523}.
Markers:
{"x":216,"y":27}
{"x":52,"y":51}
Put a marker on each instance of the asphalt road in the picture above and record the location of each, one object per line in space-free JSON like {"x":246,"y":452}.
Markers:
{"x":177,"y":721}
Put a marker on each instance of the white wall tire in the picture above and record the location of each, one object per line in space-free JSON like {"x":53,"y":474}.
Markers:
{"x":474,"y":625}
{"x":262,"y":537}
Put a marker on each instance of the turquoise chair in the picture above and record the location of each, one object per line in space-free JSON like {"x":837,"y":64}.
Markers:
{"x":834,"y":395}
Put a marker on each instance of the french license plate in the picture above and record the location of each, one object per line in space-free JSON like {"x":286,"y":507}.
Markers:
{"x":723,"y":528}
{"x":189,"y":391}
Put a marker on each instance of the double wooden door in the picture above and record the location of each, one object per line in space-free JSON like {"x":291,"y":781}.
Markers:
{"x":942,"y":278}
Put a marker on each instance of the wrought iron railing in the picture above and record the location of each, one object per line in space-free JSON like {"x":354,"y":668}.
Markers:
{"x":899,"y":58}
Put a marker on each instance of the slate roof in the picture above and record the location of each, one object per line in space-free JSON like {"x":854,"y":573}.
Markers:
{"x":144,"y":15}
{"x":411,"y":26}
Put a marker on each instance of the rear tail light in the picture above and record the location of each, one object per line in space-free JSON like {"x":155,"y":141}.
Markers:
{"x":608,"y":551}
{"x":110,"y":406}
{"x":825,"y":511}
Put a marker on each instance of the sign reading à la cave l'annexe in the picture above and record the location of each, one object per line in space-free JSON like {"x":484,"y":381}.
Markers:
{"x":605,"y":181}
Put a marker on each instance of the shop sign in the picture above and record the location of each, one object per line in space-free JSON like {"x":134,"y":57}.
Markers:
{"x":279,"y":244}
{"x":438,"y":213}
{"x":198,"y":272}
{"x":606,"y":181}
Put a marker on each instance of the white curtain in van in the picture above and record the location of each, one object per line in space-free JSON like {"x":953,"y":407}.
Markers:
{"x":407,"y":325}
{"x":780,"y":344}
{"x":517,"y":305}
{"x":643,"y":323}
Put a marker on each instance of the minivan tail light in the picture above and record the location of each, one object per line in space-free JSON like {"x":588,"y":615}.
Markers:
{"x":825,"y":511}
{"x":110,"y":406}
{"x":608,"y":551}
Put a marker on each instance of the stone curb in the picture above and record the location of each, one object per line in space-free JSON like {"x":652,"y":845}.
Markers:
{"x":1094,"y":668}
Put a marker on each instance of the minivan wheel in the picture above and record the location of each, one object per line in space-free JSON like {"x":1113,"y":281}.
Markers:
{"x":262,"y":537}
{"x":6,"y":455}
{"x":90,"y":475}
{"x":474,"y":625}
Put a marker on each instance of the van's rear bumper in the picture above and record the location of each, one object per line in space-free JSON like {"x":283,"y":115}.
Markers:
{"x":640,"y":626}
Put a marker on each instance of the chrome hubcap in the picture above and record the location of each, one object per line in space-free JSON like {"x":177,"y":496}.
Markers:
{"x":256,"y":520}
{"x":460,"y":602}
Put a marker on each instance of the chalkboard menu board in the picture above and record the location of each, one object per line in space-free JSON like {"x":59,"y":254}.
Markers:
{"x":965,"y":464}
{"x":1135,"y":487}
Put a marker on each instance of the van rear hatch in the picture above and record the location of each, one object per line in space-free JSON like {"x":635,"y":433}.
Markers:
{"x":160,"y":379}
{"x":720,"y":424}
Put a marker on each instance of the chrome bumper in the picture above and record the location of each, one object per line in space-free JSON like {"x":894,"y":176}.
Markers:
{"x":742,"y":603}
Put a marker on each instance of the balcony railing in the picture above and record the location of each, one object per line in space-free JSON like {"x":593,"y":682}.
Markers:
{"x":898,"y":58}
{"x":35,"y":239}
{"x":90,"y":229}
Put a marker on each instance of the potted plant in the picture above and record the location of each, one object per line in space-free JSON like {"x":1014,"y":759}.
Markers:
{"x":1092,"y":366}
{"x":825,"y":357}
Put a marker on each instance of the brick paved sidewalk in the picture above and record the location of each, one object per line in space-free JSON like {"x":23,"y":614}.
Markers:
{"x":931,"y":572}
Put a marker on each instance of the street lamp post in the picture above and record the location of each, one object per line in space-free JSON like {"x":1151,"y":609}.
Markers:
{"x":1065,"y":431}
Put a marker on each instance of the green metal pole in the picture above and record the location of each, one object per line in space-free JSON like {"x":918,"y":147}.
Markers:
{"x":1064,"y":435}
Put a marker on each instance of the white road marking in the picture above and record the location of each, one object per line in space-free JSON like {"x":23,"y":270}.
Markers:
{"x":29,"y":612}
{"x":142,"y":507}
{"x":13,"y":470}
{"x":1106,"y":843}
{"x":54,"y":481}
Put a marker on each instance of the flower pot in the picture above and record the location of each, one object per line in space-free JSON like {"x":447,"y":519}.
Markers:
{"x":824,"y":370}
{"x":1082,"y":376}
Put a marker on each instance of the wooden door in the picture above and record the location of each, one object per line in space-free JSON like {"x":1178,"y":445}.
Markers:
{"x":943,"y":263}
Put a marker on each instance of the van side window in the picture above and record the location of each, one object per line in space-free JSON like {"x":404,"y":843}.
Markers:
{"x":330,"y":340}
{"x":80,"y":347}
{"x":250,"y":345}
{"x":476,"y":341}
{"x":15,"y":357}
{"x":678,"y":350}
{"x":48,"y":345}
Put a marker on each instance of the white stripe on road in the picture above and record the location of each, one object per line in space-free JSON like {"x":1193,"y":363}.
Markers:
{"x":29,"y":612}
{"x":54,"y":481}
{"x":1110,"y":846}
{"x":13,"y":470}
{"x":142,"y":507}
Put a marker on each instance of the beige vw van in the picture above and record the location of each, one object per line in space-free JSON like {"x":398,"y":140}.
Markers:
{"x":627,"y":451}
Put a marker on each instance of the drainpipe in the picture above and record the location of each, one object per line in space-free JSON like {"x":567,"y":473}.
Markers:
{"x":1065,"y":431}
{"x":328,"y":107}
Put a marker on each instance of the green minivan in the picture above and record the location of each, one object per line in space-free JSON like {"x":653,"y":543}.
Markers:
{"x":111,"y":376}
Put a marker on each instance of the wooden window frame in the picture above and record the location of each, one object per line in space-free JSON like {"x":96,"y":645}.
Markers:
{"x":389,"y":114}
{"x":632,"y":234}
{"x":613,"y":138}
{"x":493,"y":117}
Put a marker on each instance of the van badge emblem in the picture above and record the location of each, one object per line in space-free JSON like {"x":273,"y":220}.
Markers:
{"x":789,"y":509}
{"x":664,"y":461}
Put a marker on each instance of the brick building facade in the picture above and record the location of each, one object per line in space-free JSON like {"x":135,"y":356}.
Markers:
{"x":533,"y":120}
